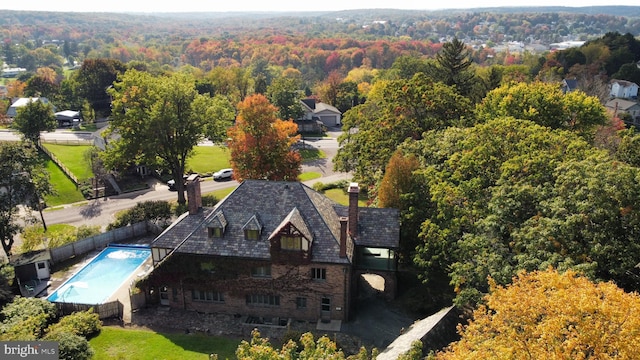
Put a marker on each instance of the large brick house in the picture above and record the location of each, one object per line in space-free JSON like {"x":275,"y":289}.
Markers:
{"x":273,"y":249}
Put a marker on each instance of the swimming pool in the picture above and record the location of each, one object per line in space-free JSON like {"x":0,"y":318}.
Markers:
{"x":102,"y":276}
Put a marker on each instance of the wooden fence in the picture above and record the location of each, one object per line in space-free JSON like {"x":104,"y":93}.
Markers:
{"x":99,"y":241}
{"x":60,"y":164}
{"x":113,"y":309}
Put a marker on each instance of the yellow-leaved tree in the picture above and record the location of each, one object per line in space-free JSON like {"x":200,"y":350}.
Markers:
{"x":551,"y":315}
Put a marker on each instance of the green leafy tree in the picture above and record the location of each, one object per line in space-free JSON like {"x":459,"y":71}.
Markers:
{"x":395,"y":111}
{"x":546,"y":105}
{"x":260,"y":143}
{"x":159,"y":120}
{"x":510,"y":195}
{"x":551,"y":315}
{"x":224,"y":113}
{"x":284,"y":93}
{"x":24,"y":181}
{"x":94,"y":78}
{"x":34,"y":117}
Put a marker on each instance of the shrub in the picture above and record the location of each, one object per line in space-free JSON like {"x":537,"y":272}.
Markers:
{"x":84,"y":323}
{"x":71,"y":346}
{"x":26,"y":318}
{"x":85,"y":231}
{"x":209,"y":200}
{"x":155,"y":211}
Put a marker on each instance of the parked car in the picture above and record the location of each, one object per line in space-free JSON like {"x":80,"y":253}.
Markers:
{"x":223,"y":174}
{"x":172,"y":183}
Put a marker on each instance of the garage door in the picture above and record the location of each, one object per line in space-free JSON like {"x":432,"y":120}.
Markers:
{"x":329,"y":120}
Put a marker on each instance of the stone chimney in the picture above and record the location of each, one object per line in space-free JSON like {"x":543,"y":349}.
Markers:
{"x":354,"y":190}
{"x":343,"y":236}
{"x":194,"y":196}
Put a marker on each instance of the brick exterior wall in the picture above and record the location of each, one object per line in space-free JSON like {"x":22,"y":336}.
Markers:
{"x":288,"y":282}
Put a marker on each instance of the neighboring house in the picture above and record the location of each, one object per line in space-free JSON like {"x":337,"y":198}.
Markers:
{"x":619,"y":106}
{"x":13,"y":109}
{"x":273,"y":250}
{"x":623,"y":89}
{"x":68,"y":118}
{"x":569,"y":85}
{"x":316,"y":115}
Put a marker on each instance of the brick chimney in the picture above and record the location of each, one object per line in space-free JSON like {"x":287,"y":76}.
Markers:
{"x":194,"y":196}
{"x":343,"y":236}
{"x":354,"y":190}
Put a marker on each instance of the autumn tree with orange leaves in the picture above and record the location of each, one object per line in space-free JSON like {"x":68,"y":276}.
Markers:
{"x":551,"y":315}
{"x":260,"y":143}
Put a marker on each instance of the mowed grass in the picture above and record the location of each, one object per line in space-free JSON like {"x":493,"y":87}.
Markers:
{"x":309,"y":176}
{"x":208,"y":159}
{"x":116,"y":343}
{"x":342,"y":197}
{"x":73,"y":157}
{"x":66,"y":191}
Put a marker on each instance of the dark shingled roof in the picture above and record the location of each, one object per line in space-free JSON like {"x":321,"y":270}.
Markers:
{"x":271,"y":204}
{"x":378,"y":228}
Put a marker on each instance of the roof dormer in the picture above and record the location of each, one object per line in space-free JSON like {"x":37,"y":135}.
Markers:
{"x":217,"y":225}
{"x":252,"y":228}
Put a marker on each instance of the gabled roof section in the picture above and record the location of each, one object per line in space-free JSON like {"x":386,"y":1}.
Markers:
{"x":295,"y":219}
{"x":270,"y":202}
{"x":623,"y":105}
{"x":218,"y":220}
{"x":320,"y":107}
{"x":624,"y":83}
{"x":309,"y":103}
{"x":252,"y":224}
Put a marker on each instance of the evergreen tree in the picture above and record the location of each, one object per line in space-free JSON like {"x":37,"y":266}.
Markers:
{"x":454,"y":61}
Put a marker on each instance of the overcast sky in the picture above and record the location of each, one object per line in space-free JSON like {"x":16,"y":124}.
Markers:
{"x":282,"y":5}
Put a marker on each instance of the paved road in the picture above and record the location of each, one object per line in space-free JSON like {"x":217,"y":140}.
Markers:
{"x":101,"y":211}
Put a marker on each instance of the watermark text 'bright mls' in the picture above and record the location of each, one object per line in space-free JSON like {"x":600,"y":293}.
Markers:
{"x":38,"y":350}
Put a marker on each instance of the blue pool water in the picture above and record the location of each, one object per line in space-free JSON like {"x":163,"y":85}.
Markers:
{"x":101,"y":277}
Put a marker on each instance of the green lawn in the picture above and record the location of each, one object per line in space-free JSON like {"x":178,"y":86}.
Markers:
{"x":73,"y":157}
{"x":117,"y":343}
{"x":309,"y":176}
{"x":66,"y":191}
{"x":341,"y":197}
{"x":208,"y":159}
{"x":312,"y":154}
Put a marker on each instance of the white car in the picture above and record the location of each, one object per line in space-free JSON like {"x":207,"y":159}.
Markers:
{"x":223,"y":174}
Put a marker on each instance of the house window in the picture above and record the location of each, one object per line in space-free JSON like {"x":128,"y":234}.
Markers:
{"x":319,"y":273}
{"x":301,"y":302}
{"x":215,"y":232}
{"x":263,"y":300}
{"x":290,"y":242}
{"x":325,"y":304}
{"x":207,"y":296}
{"x":251,"y":234}
{"x":261,"y":271}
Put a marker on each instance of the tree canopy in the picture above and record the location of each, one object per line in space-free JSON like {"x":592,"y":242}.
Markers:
{"x":546,"y":105}
{"x":509,"y":195}
{"x":23,"y":181}
{"x":551,"y":315}
{"x":395,"y":110}
{"x":159,"y":120}
{"x":34,"y":117}
{"x":261,"y":143}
